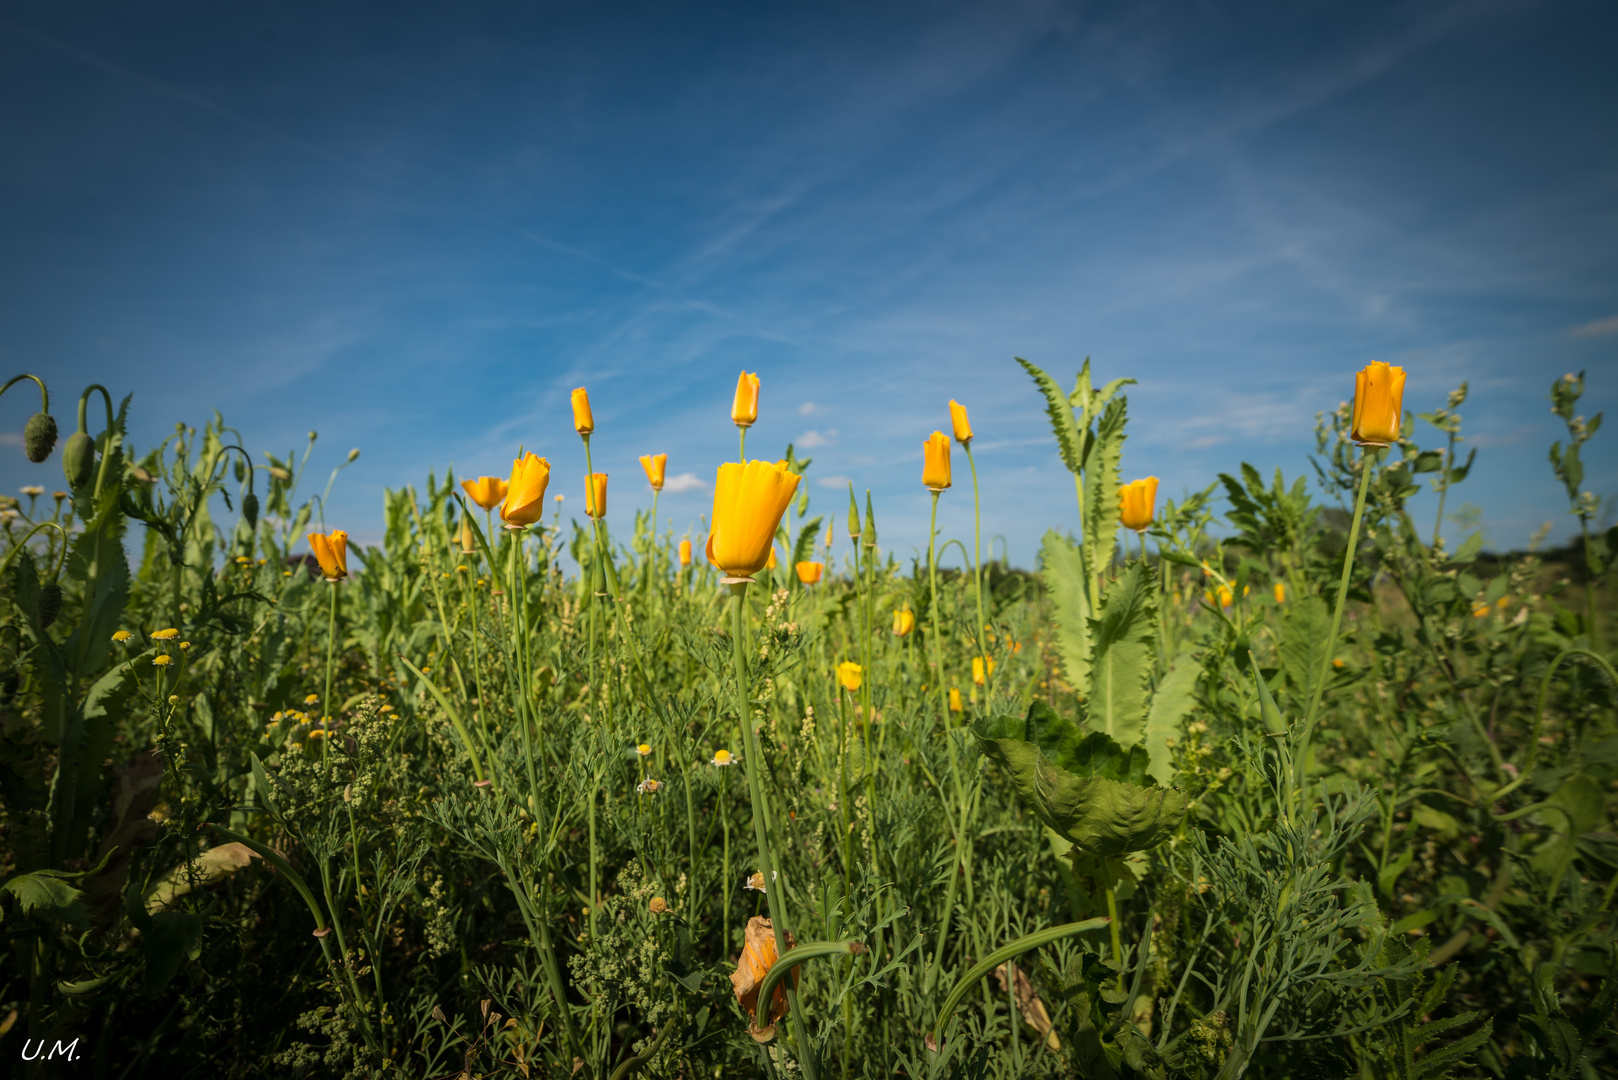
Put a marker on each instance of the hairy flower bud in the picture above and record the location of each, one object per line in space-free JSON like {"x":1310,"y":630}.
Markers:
{"x":39,"y":437}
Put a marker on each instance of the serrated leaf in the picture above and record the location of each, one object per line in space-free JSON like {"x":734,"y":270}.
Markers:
{"x":1173,"y":701}
{"x":1125,"y":651}
{"x":1062,"y":571}
{"x":44,"y":893}
{"x":1069,"y":439}
{"x":1305,"y":640}
{"x":1102,"y":512}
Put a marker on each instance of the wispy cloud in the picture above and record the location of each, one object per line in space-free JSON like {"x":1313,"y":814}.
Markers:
{"x":837,"y":482}
{"x":811,"y":439}
{"x":1598,"y":328}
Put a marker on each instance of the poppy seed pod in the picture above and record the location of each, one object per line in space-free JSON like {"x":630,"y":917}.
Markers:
{"x":50,"y":604}
{"x":656,"y":466}
{"x":1137,"y":500}
{"x":39,"y":437}
{"x":1378,"y":404}
{"x":958,"y":420}
{"x":487,"y":491}
{"x":584,"y":421}
{"x":748,"y":502}
{"x":935,"y":462}
{"x":809,"y":572}
{"x":525,"y":494}
{"x":78,"y":459}
{"x":331,"y":552}
{"x":595,"y":495}
{"x":744,"y":410}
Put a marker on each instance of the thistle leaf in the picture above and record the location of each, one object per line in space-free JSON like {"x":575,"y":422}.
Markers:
{"x":1125,"y":651}
{"x":1174,"y":699}
{"x":1102,"y":513}
{"x":1063,"y":574}
{"x":1069,"y":438}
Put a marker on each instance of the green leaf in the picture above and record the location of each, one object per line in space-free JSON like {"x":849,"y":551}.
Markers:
{"x":173,"y":936}
{"x":47,"y":894}
{"x":1102,"y":512}
{"x":1069,"y":439}
{"x":1101,"y":797}
{"x":1305,"y":639}
{"x":1125,"y":638}
{"x":1174,"y":700}
{"x":1062,"y":571}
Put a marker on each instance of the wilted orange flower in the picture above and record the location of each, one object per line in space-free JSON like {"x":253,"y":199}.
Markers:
{"x":1138,"y":500}
{"x":758,"y":955}
{"x":850,"y":675}
{"x":748,"y":502}
{"x":1378,"y":404}
{"x":525,"y":494}
{"x":744,"y":411}
{"x":685,"y":553}
{"x":904,"y":622}
{"x":809,"y":572}
{"x":332,"y":552}
{"x":595,"y":495}
{"x":655,"y":466}
{"x":584,"y":421}
{"x":487,"y":491}
{"x":959,"y":421}
{"x":935,"y":461}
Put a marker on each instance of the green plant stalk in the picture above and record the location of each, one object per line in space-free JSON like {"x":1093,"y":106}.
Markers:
{"x":754,"y":762}
{"x":1366,"y":462}
{"x":977,"y":564}
{"x":1004,"y":954}
{"x":1443,"y":488}
{"x":519,"y":647}
{"x":938,"y":634}
{"x":1112,"y":921}
{"x":331,"y":657}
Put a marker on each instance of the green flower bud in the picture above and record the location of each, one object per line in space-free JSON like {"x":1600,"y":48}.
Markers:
{"x":39,"y":437}
{"x":50,"y":604}
{"x":250,"y":510}
{"x":78,"y":459}
{"x":869,"y":534}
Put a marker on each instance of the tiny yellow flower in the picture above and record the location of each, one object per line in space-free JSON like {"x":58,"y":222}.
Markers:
{"x":658,"y":905}
{"x":163,"y":661}
{"x":723,"y":757}
{"x":166,"y":635}
{"x":756,"y":883}
{"x":648,"y":786}
{"x":850,"y":675}
{"x":242,"y":560}
{"x":121,"y":636}
{"x":643,"y":749}
{"x":311,"y":699}
{"x":185,"y":644}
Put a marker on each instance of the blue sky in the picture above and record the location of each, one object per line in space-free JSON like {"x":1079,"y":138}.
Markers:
{"x":414,"y":228}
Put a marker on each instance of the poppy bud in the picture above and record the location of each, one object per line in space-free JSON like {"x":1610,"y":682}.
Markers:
{"x":50,"y":604}
{"x":250,"y":510}
{"x":39,"y":437}
{"x":78,"y":459}
{"x":1137,"y":502}
{"x":935,"y":462}
{"x":1378,"y":404}
{"x":744,"y":410}
{"x":584,"y":420}
{"x":868,"y":534}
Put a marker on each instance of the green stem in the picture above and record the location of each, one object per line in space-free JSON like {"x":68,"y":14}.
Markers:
{"x":1366,"y":462}
{"x":754,"y":764}
{"x":938,"y":635}
{"x":977,"y":561}
{"x":331,"y":656}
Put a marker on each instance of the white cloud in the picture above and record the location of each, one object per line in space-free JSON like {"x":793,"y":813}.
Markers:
{"x":834,"y":481}
{"x":811,"y":439}
{"x":686,"y":481}
{"x":10,"y":438}
{"x":1599,"y":328}
{"x":808,"y":408}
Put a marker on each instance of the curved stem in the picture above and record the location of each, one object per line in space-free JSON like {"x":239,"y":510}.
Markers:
{"x":44,"y":394}
{"x":753,"y":762}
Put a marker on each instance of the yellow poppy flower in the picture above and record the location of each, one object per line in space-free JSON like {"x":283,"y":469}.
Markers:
{"x":809,"y":572}
{"x":487,"y":491}
{"x":525,"y":494}
{"x":979,"y":664}
{"x":595,"y":495}
{"x":850,"y":675}
{"x":1378,"y":404}
{"x":583,"y":421}
{"x":1138,"y":500}
{"x":935,"y":462}
{"x":748,"y":503}
{"x":744,"y":410}
{"x":685,"y":553}
{"x":331,"y":551}
{"x":904,"y":622}
{"x":958,"y":420}
{"x":656,"y":465}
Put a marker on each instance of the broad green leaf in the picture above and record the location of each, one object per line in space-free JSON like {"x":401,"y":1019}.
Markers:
{"x":1125,"y":651}
{"x":173,"y":936}
{"x":1174,"y":699}
{"x":1069,"y":439}
{"x":1103,"y":800}
{"x":45,"y":893}
{"x":1063,"y":574}
{"x":1305,"y":639}
{"x":1102,"y":512}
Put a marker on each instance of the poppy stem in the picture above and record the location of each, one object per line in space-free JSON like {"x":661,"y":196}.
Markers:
{"x":938,"y":639}
{"x":331,"y":655}
{"x":1366,"y":461}
{"x":977,"y":573}
{"x":753,"y":762}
